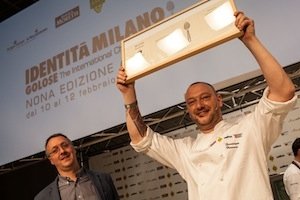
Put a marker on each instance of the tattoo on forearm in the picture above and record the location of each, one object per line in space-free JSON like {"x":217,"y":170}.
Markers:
{"x":136,"y":117}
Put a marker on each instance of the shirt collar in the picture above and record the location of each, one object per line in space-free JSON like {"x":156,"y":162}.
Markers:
{"x":220,"y":127}
{"x":81,"y":172}
{"x":298,"y":163}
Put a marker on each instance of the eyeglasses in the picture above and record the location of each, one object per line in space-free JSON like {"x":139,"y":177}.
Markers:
{"x":55,"y":150}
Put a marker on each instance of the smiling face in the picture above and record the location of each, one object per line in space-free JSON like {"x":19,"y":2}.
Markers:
{"x":62,"y":154}
{"x":204,"y":106}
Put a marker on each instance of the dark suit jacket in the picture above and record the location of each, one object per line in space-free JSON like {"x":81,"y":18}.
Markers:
{"x":103,"y":183}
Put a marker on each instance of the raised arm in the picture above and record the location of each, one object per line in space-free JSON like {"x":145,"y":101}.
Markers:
{"x":280,"y":85}
{"x":135,"y":124}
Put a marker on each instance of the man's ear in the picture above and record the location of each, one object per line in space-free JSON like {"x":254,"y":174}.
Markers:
{"x":50,"y":160}
{"x":187,"y":110}
{"x":220,"y":100}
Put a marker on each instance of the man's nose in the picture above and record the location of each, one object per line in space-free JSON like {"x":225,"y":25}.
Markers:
{"x":61,"y":149}
{"x":199,"y":104}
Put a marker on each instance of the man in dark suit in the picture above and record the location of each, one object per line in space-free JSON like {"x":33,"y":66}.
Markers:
{"x":73,"y":181}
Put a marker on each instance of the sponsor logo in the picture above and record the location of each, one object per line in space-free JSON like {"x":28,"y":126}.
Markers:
{"x":67,"y":17}
{"x":96,"y":5}
{"x":29,"y":38}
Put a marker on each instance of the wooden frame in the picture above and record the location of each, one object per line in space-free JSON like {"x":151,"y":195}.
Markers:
{"x":141,"y":54}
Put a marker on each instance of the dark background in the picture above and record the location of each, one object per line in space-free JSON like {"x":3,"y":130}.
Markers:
{"x":26,"y":182}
